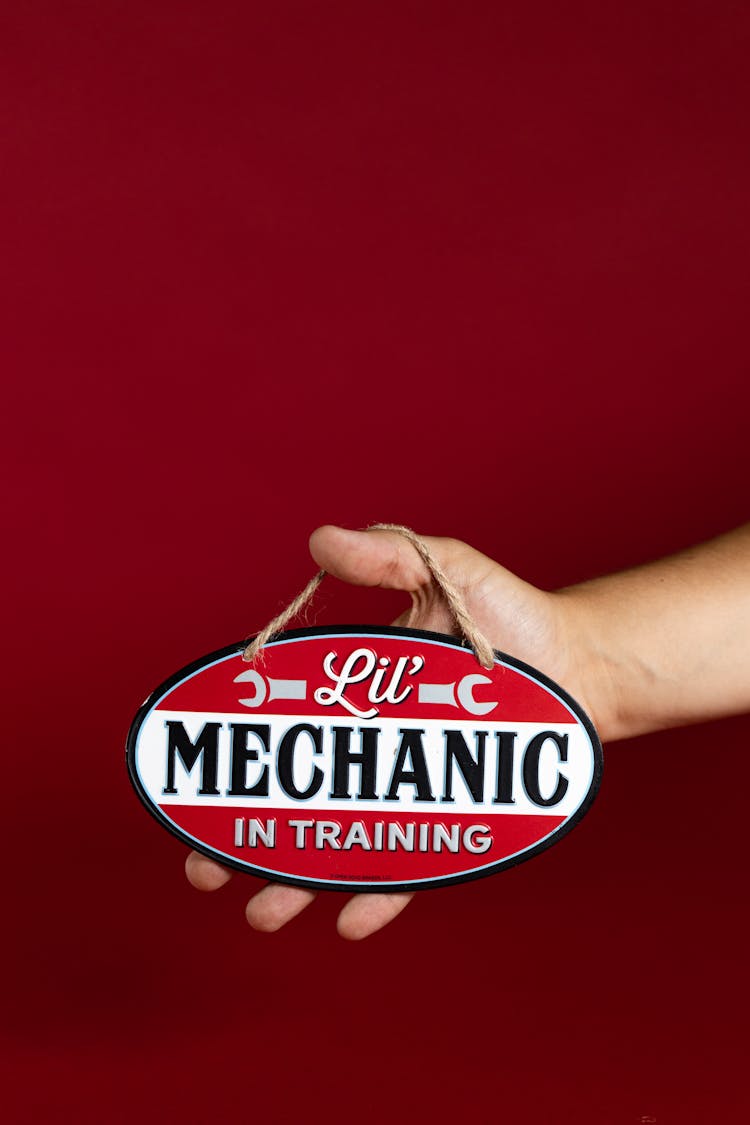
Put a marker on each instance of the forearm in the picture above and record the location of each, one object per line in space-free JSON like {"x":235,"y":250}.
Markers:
{"x":668,"y":643}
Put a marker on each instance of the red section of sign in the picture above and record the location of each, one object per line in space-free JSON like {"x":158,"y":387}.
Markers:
{"x":519,"y":698}
{"x":429,"y":857}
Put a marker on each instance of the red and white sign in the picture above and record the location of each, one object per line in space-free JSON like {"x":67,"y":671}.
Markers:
{"x":364,"y":759}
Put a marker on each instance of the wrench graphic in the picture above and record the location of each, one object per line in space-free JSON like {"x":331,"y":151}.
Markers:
{"x":464,"y":694}
{"x":455,"y":695}
{"x":267,"y":686}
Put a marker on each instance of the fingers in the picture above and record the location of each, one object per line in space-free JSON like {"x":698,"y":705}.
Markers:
{"x":204,"y":874}
{"x":276,"y":905}
{"x":369,"y":558}
{"x":268,"y":910}
{"x":387,"y":559}
{"x":366,"y":914}
{"x":363,"y":915}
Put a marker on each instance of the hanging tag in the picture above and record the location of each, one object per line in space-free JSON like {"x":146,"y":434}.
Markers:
{"x":364,"y":759}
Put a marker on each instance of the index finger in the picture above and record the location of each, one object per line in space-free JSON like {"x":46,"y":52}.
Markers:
{"x":370,"y":558}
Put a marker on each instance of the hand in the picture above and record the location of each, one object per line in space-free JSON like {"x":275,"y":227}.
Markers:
{"x":515,"y":617}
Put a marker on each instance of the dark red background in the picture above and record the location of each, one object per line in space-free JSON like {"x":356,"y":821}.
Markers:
{"x":479,"y":268}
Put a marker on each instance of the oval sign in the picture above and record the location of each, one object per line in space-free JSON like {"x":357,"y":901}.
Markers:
{"x":364,"y":758}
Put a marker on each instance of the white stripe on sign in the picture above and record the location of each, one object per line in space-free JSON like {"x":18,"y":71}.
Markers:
{"x":479,"y":741}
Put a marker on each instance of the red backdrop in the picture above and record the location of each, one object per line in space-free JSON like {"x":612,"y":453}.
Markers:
{"x":482,"y":269}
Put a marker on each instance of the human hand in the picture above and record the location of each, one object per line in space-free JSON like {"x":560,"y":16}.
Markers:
{"x":528,"y":623}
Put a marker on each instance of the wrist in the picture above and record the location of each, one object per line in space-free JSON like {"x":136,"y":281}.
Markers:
{"x":597,"y":670}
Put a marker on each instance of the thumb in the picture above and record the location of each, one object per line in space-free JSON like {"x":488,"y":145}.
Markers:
{"x":369,"y":558}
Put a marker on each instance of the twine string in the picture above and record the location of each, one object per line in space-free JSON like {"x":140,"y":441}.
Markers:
{"x":466,"y":624}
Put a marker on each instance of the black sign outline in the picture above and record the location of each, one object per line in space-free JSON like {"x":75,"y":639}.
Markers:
{"x":385,"y":886}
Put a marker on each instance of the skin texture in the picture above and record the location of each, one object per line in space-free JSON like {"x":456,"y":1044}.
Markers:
{"x":662,"y":645}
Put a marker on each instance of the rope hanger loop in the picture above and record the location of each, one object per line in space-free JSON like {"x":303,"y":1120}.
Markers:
{"x":468,"y":628}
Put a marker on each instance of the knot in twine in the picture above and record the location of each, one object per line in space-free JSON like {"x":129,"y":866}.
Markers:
{"x":469,"y":630}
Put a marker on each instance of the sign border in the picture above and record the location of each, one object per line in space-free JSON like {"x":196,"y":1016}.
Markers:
{"x":342,"y":885}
